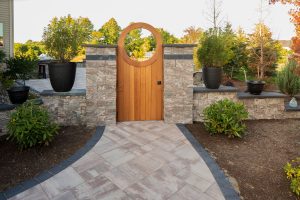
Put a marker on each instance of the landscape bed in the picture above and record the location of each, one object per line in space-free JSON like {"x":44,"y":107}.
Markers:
{"x":256,"y":161}
{"x":18,"y":166}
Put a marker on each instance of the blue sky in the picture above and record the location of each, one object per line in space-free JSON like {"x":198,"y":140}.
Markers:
{"x":31,"y":16}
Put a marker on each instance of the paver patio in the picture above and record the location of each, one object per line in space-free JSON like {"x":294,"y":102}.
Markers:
{"x":134,"y":160}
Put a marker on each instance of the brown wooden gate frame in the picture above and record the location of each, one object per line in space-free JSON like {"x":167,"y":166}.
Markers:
{"x":122,"y":54}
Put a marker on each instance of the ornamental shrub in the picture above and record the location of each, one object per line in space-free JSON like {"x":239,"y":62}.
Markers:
{"x":30,"y":125}
{"x":225,"y":117}
{"x":64,"y":36}
{"x":292,"y":171}
{"x":214,"y":49}
{"x":287,"y":80}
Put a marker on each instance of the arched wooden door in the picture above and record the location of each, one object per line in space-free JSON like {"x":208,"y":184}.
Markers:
{"x":140,"y":83}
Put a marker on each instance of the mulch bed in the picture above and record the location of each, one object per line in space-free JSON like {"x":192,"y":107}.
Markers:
{"x":256,"y":161}
{"x":17,"y":166}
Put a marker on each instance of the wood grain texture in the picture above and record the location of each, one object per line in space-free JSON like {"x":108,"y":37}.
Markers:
{"x":139,"y":96}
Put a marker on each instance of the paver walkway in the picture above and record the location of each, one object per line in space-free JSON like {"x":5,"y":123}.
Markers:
{"x":133,"y":160}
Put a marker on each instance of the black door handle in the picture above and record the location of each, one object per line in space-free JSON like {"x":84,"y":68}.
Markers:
{"x":158,"y":82}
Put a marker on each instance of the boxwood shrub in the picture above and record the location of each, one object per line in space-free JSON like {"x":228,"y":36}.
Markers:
{"x":30,"y":125}
{"x":225,"y":117}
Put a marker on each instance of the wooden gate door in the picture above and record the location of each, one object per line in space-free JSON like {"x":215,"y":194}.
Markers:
{"x":140,"y":83}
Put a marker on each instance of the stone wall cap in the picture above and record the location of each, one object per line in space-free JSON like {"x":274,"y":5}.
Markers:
{"x":6,"y":107}
{"x":180,"y":45}
{"x":74,"y":92}
{"x":263,"y":95}
{"x":100,"y":45}
{"x":287,"y":108}
{"x":221,"y":89}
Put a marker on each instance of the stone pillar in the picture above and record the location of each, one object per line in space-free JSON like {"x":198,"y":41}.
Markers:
{"x":101,"y":79}
{"x":178,"y":83}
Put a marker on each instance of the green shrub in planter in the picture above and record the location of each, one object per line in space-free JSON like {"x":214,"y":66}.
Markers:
{"x":225,"y":117}
{"x":30,"y":125}
{"x":214,"y":49}
{"x":292,"y":171}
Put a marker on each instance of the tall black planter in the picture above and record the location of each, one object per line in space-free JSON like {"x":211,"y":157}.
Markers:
{"x":212,"y":77}
{"x":62,"y":76}
{"x":18,"y":94}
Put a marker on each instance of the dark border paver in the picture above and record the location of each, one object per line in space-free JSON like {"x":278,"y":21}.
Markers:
{"x":223,"y":182}
{"x":56,"y":169}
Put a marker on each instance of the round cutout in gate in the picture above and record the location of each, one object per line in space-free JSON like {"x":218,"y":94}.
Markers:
{"x":140,"y":44}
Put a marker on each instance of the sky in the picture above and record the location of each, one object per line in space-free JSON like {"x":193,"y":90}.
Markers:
{"x":31,"y":16}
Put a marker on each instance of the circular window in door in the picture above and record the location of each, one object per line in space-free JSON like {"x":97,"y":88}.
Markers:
{"x":140,"y":44}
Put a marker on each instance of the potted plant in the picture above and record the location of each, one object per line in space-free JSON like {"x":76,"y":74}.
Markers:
{"x":63,"y":38}
{"x":289,"y":82}
{"x":213,"y":53}
{"x":255,"y":86}
{"x":20,"y":67}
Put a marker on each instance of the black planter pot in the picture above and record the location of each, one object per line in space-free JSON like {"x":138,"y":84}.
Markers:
{"x":255,"y":87}
{"x":212,"y":77}
{"x":18,"y":94}
{"x":62,"y":76}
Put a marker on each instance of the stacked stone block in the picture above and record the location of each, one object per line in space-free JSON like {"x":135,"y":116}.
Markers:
{"x":66,"y":110}
{"x":178,"y":83}
{"x":258,"y":108}
{"x":101,"y":78}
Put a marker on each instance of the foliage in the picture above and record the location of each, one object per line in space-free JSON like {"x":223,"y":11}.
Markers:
{"x":288,"y":82}
{"x":225,"y":117}
{"x":214,"y":50}
{"x":20,"y":67}
{"x":264,"y":51}
{"x":195,"y":59}
{"x":96,"y":37}
{"x":30,"y":125}
{"x":109,"y":33}
{"x":63,"y":37}
{"x":238,"y":44}
{"x":30,"y":49}
{"x":2,"y":56}
{"x":192,"y":35}
{"x":134,"y":44}
{"x":168,"y":38}
{"x":295,"y":19}
{"x":292,"y":170}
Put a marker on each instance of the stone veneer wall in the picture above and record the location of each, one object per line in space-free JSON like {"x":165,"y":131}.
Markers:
{"x":101,"y":80}
{"x":66,"y":110}
{"x":268,"y":106}
{"x":4,"y":118}
{"x":178,"y":83}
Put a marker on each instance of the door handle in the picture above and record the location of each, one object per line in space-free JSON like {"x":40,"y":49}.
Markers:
{"x":158,"y":82}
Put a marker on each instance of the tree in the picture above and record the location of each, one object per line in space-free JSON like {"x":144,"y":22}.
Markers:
{"x":63,"y":37}
{"x":295,"y":19}
{"x":109,"y":33}
{"x":134,"y":44}
{"x":191,"y":35}
{"x":214,"y":12}
{"x":168,"y":38}
{"x":238,"y":43}
{"x":29,"y":49}
{"x":96,"y":37}
{"x":263,"y":51}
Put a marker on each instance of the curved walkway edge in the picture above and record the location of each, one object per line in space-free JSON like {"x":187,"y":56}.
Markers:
{"x":223,"y":182}
{"x":56,"y":169}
